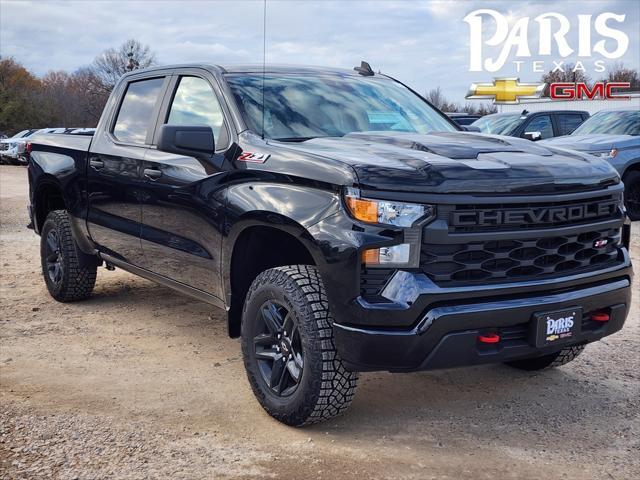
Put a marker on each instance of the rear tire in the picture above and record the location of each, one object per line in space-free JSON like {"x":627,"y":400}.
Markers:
{"x":631,"y":182}
{"x":66,"y":279}
{"x":553,"y":360}
{"x":288,"y":349}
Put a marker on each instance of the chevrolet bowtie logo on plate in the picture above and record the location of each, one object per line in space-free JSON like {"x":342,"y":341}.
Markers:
{"x":505,"y":90}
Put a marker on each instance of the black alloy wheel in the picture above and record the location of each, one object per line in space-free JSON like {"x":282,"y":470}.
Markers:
{"x":288,"y":349}
{"x":53,"y":258}
{"x":278,"y":349}
{"x":67,"y":277}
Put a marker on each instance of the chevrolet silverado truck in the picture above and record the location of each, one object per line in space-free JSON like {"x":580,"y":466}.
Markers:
{"x":341,"y":222}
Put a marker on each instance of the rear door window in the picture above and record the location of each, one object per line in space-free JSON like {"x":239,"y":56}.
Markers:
{"x":136,"y":111}
{"x":568,"y":122}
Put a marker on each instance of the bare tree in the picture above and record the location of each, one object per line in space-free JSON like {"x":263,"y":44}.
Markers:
{"x":111,"y":64}
{"x":566,"y":76}
{"x":437,"y":98}
{"x":619,"y":73}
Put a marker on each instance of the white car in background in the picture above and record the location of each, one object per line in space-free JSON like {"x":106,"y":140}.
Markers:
{"x":12,"y":149}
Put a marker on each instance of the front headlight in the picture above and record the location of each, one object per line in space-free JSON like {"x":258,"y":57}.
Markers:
{"x":607,"y":154}
{"x":386,"y":212}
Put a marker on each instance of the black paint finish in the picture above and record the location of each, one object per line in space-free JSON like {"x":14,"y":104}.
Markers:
{"x":176,"y":219}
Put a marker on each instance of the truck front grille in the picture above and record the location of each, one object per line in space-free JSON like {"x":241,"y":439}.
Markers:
{"x":519,"y":260}
{"x":471,"y":218}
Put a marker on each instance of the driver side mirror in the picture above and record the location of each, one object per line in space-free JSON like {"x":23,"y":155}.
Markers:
{"x":533,"y":136}
{"x":470,"y":128}
{"x":189,"y":140}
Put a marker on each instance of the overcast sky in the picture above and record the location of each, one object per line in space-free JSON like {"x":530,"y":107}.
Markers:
{"x":426,"y":43}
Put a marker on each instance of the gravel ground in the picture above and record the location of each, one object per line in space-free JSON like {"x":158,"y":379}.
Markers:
{"x":140,"y":382}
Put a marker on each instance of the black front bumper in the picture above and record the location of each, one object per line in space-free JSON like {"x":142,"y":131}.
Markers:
{"x":447,"y":335}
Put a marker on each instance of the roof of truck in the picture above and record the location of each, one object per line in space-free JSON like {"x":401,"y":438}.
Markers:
{"x":253,"y":68}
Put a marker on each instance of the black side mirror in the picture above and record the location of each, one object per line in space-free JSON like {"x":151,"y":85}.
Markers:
{"x":470,"y":128}
{"x":190,"y":140}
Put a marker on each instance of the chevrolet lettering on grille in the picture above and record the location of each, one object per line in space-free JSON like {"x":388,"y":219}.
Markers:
{"x":533,"y":215}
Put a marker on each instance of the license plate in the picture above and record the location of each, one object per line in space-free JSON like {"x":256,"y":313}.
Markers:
{"x":554,"y":328}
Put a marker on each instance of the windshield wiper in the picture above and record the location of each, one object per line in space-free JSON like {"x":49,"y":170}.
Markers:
{"x":295,"y":139}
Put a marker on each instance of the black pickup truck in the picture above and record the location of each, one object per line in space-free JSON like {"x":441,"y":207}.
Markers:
{"x":342,"y":222}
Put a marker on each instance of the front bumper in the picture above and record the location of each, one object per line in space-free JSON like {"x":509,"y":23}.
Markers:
{"x":447,"y":335}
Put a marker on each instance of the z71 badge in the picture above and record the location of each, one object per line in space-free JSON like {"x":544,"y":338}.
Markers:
{"x":252,"y":157}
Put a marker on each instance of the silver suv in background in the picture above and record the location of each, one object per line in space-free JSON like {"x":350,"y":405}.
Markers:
{"x":615,"y":136}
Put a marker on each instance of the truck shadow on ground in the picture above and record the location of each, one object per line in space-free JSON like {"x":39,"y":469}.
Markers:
{"x":494,"y":403}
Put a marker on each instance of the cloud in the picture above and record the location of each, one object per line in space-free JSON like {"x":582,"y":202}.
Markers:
{"x":424,"y":43}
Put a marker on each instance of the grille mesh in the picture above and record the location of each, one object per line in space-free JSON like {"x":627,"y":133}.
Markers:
{"x":518,"y":260}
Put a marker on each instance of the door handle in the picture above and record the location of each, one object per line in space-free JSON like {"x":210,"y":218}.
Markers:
{"x":152,"y":173}
{"x":95,"y":163}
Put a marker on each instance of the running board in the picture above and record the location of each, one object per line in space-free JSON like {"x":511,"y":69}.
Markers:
{"x":165,"y":281}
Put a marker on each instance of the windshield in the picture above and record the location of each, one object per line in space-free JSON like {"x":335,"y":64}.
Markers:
{"x":613,"y":123}
{"x":497,"y":124}
{"x":299,"y":107}
{"x":21,"y":134}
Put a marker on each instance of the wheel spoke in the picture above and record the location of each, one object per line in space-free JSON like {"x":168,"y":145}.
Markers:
{"x":294,"y":330}
{"x":264,"y":339}
{"x":269,"y":355}
{"x":272,"y":318}
{"x":52,"y":242}
{"x":277,"y":375}
{"x":297,"y":358}
{"x":294,"y":370}
{"x":57,"y":272}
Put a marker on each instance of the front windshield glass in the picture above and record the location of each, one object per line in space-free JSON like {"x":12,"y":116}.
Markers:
{"x":299,"y":107}
{"x":21,"y":134}
{"x":497,"y":124}
{"x":612,"y":123}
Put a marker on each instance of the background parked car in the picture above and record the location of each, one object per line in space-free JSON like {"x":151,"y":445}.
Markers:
{"x":615,"y":136}
{"x":10,"y":148}
{"x":462,"y":118}
{"x":13,"y":149}
{"x":532,"y":125}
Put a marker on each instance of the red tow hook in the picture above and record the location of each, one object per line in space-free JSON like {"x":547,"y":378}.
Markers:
{"x":489,"y":338}
{"x":600,"y":317}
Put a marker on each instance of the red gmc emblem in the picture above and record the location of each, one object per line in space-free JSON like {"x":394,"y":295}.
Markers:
{"x":601,"y":242}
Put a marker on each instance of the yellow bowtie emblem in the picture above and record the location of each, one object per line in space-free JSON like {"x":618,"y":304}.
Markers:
{"x":505,"y":90}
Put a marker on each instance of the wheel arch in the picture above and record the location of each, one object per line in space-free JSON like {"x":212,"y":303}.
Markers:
{"x":258,"y":241}
{"x":48,"y":196}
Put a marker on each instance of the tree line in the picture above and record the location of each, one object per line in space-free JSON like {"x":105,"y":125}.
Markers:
{"x":63,"y":99}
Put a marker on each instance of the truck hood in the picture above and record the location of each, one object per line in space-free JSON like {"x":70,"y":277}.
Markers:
{"x":593,"y":143}
{"x":462,"y":162}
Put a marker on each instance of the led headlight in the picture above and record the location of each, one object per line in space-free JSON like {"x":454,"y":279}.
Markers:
{"x":386,"y":212}
{"x":607,"y":154}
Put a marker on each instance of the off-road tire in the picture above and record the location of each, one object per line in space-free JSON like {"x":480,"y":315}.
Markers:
{"x":631,"y":182}
{"x":76,"y":281}
{"x":326,"y":388}
{"x":553,"y":360}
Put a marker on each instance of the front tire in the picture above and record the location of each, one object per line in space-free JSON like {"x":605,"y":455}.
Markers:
{"x":546,"y":362}
{"x":66,"y":279}
{"x":631,"y":182}
{"x":288,"y":349}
